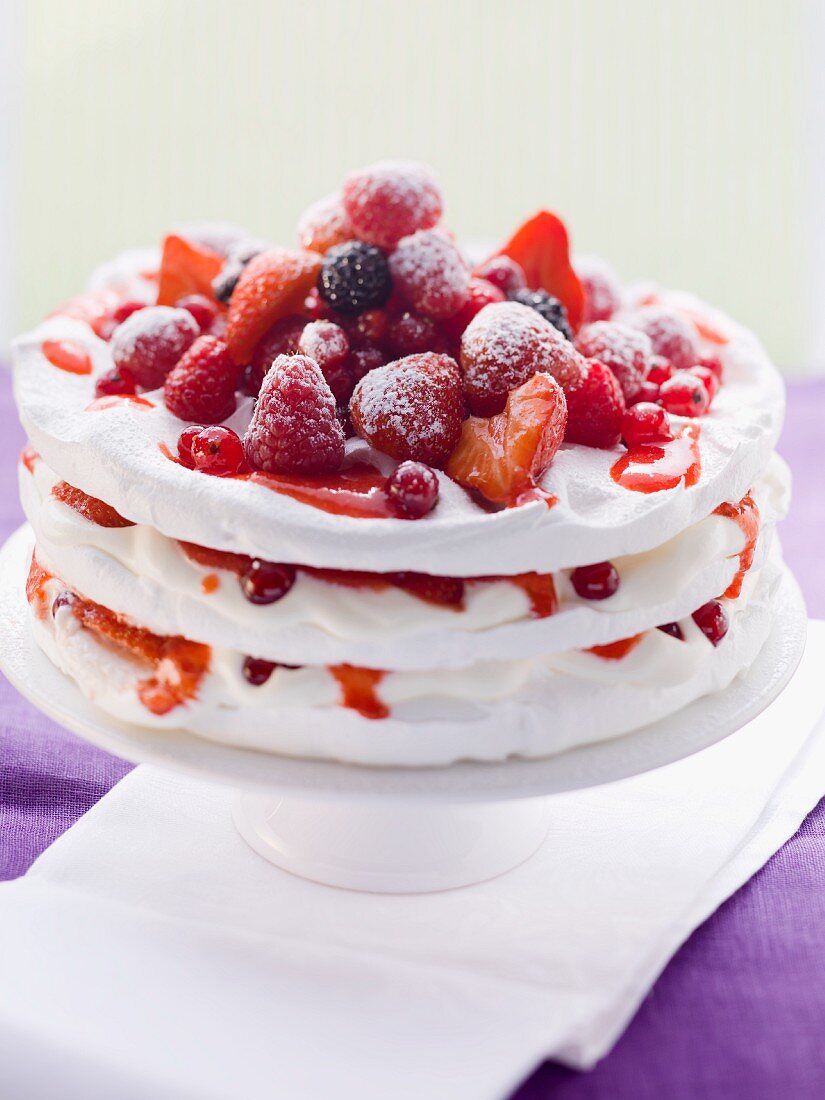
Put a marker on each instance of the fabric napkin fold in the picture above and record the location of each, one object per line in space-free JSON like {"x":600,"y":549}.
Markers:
{"x":150,"y":953}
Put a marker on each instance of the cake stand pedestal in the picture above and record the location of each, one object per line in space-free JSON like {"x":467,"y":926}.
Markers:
{"x":393,"y":830}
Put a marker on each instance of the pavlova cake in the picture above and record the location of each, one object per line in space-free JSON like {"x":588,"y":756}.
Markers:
{"x":361,"y":499}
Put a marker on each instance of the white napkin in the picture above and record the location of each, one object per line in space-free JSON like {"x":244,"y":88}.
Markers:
{"x":149,"y":953}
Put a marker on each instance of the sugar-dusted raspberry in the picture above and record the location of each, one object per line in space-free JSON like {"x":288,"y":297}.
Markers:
{"x":412,"y":490}
{"x":549,"y":307}
{"x":480,"y":293}
{"x":658,"y":369}
{"x":595,"y":408}
{"x":646,"y":423}
{"x":203,"y":309}
{"x":684,"y":395}
{"x":429,"y":272}
{"x":411,"y":409}
{"x":328,"y":345}
{"x":712,"y":621}
{"x":185,"y":441}
{"x":670,"y":334}
{"x":354,"y":277}
{"x":505,"y":345}
{"x":362,"y":360}
{"x":115,"y":383}
{"x":150,"y":342}
{"x":217,"y":451}
{"x":294,"y":428}
{"x":709,"y":378}
{"x":602,"y":291}
{"x":503,"y":273}
{"x":625,"y":350}
{"x":282,"y":339}
{"x":410,"y":333}
{"x":391,"y":199}
{"x":599,"y":581}
{"x":265,"y":582}
{"x":324,"y":224}
{"x":201,"y":386}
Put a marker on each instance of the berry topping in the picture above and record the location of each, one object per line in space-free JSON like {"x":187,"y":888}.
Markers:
{"x":709,"y":378}
{"x":503,"y":457}
{"x":658,"y":370}
{"x":684,"y":395}
{"x":324,"y":224}
{"x":239,"y":255}
{"x":595,"y":408}
{"x":430,"y":273}
{"x":409,"y":333}
{"x":92,"y":509}
{"x":367,"y":329}
{"x":201,"y":386}
{"x":411,"y":409}
{"x":282,"y":339}
{"x":549,"y":307}
{"x":480,"y":293}
{"x":412,"y":489}
{"x":217,"y":451}
{"x":595,"y":582}
{"x":186,"y":268}
{"x":150,"y":342}
{"x":503,"y":273}
{"x":670,"y":335}
{"x":504,"y":346}
{"x":273,"y":285}
{"x":328,"y":345}
{"x":363,"y":360}
{"x":355,"y":277}
{"x":185,"y":441}
{"x":202,"y":309}
{"x":712,"y":621}
{"x":602,"y":292}
{"x":116,"y":382}
{"x":444,"y":591}
{"x":623,"y":349}
{"x":673,"y":629}
{"x":256,"y":671}
{"x":124,"y":310}
{"x":712,"y":363}
{"x":264,"y":582}
{"x":391,"y":199}
{"x":646,"y":423}
{"x":294,"y":428}
{"x":648,"y":391}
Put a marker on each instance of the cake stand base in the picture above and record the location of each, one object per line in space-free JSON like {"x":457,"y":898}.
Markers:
{"x":392,"y":848}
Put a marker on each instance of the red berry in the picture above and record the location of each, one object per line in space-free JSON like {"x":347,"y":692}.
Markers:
{"x":602,"y":292}
{"x":328,"y":345}
{"x":324,"y":224}
{"x":203,"y":309}
{"x":429,"y":272}
{"x":257,"y":671}
{"x":503,"y":347}
{"x":673,"y":629}
{"x":150,"y":342}
{"x":685,"y":395}
{"x":670,"y":335}
{"x":390,"y":200}
{"x":712,"y":621}
{"x":126,"y":309}
{"x":659,"y":369}
{"x":367,"y":329}
{"x":621,"y":348}
{"x":595,"y":408}
{"x":115,"y":383}
{"x":201,"y":387}
{"x":217,"y":451}
{"x":185,"y":441}
{"x":712,"y":363}
{"x":294,"y":428}
{"x":412,"y":490}
{"x":409,"y":334}
{"x":647,"y":392}
{"x":480,"y":294}
{"x":503,"y":273}
{"x":264,"y":582}
{"x":595,"y":582}
{"x":411,"y":409}
{"x":709,"y":378}
{"x":282,"y":339}
{"x":646,"y":423}
{"x":363,"y":360}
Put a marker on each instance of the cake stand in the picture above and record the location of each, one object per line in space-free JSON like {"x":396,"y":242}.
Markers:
{"x":393,"y":830}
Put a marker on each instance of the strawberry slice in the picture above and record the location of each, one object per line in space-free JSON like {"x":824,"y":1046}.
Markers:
{"x":273,"y":285}
{"x":186,"y":268}
{"x":503,"y":456}
{"x":542,"y":248}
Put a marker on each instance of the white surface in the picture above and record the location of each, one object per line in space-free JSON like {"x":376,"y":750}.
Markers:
{"x":149,"y":953}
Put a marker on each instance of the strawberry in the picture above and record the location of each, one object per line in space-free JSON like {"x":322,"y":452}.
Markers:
{"x":595,"y":407}
{"x":185,"y":269}
{"x":444,"y":591}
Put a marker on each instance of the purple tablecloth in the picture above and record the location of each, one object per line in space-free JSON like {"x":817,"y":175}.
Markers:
{"x":739,"y":1010}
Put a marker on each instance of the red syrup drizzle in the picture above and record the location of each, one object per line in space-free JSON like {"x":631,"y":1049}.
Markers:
{"x":92,"y":509}
{"x":29,"y":457}
{"x":650,"y":468}
{"x":112,"y":400}
{"x":68,"y":355}
{"x":357,"y":491}
{"x":614,"y":651}
{"x":745,"y":515}
{"x":358,"y":690}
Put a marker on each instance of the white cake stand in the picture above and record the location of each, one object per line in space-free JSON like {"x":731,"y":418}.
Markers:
{"x":393,"y":830}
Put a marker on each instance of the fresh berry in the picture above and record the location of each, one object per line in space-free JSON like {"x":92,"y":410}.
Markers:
{"x":504,"y":346}
{"x":480,"y":293}
{"x":328,"y":345}
{"x":126,"y":309}
{"x":217,"y":451}
{"x":595,"y":407}
{"x":429,"y":272}
{"x":549,"y":307}
{"x":410,"y":333}
{"x":411,"y":409}
{"x":256,"y":671}
{"x":201,"y":386}
{"x":647,"y":392}
{"x":623,"y":349}
{"x":602,"y":292}
{"x":658,"y":370}
{"x":363,"y":360}
{"x":324,"y":224}
{"x":503,"y":457}
{"x":282,"y":339}
{"x":670,"y":335}
{"x":684,"y":395}
{"x":712,"y":363}
{"x":646,"y":423}
{"x":202,"y":309}
{"x":294,"y":428}
{"x":391,"y":199}
{"x":503,"y":273}
{"x":239,"y":255}
{"x":672,"y":629}
{"x":265,"y":582}
{"x":150,"y":342}
{"x":355,"y":277}
{"x":367,"y":329}
{"x":412,"y":490}
{"x":185,"y":441}
{"x":186,"y":268}
{"x":712,"y":621}
{"x":116,"y":382}
{"x":595,"y":582}
{"x":709,"y":378}
{"x":443,"y":591}
{"x":273,"y":285}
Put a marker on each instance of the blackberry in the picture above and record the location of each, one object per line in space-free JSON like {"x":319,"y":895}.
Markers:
{"x":355,"y":277}
{"x":549,"y":307}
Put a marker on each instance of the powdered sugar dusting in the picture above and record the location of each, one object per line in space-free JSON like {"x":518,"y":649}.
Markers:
{"x":390,"y":200}
{"x":670,"y":334}
{"x":624,"y":350}
{"x":324,"y":224}
{"x":429,"y":271}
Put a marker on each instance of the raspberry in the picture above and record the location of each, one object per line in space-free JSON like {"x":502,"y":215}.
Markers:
{"x":595,"y":582}
{"x":712,"y":621}
{"x":282,"y":339}
{"x":548,"y":307}
{"x":294,"y":428}
{"x":328,"y":345}
{"x":273,"y":285}
{"x":150,"y":342}
{"x":265,"y":582}
{"x":602,"y":292}
{"x":185,"y":441}
{"x":595,"y":408}
{"x":367,"y":329}
{"x":409,"y":334}
{"x":201,"y":387}
{"x":115,"y":383}
{"x":256,"y":671}
{"x":658,"y":370}
{"x":504,"y":346}
{"x":391,"y":199}
{"x":503,"y":273}
{"x":480,"y":293}
{"x":411,"y":409}
{"x":355,"y":277}
{"x":429,"y":272}
{"x":684,"y":395}
{"x":363,"y":360}
{"x":670,"y":335}
{"x":412,"y":489}
{"x":324,"y":224}
{"x":202,"y":309}
{"x":709,"y":378}
{"x":623,"y":349}
{"x":217,"y":451}
{"x":646,"y":423}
